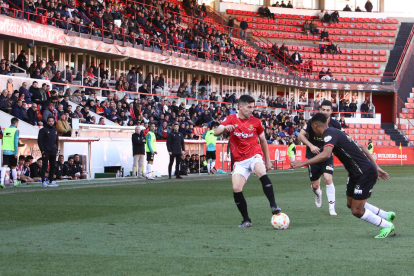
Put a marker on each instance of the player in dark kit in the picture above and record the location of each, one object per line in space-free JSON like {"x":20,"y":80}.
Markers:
{"x":362,"y":170}
{"x":315,"y":146}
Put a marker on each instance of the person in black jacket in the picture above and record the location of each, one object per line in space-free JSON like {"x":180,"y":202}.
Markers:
{"x":138,"y":151}
{"x":60,"y":168}
{"x":48,"y":141}
{"x":243,"y":25}
{"x":32,"y":115}
{"x":175,"y":147}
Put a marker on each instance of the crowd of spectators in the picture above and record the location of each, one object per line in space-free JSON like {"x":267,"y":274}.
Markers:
{"x":157,"y":24}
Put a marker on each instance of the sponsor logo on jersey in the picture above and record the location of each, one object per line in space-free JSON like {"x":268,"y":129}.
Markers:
{"x":329,"y":168}
{"x":327,"y":138}
{"x":243,"y":135}
{"x":251,"y":127}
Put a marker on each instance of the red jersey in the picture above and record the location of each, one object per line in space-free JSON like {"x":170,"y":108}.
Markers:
{"x":243,"y":139}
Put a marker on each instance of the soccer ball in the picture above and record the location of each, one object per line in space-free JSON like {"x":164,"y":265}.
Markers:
{"x":280,"y":221}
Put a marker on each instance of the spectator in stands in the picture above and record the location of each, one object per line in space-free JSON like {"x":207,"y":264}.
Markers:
{"x":322,"y":74}
{"x":342,"y":122}
{"x":63,"y":126}
{"x":297,"y":57}
{"x":231,"y":25}
{"x":5,"y":101}
{"x":358,"y":9}
{"x":335,"y":17}
{"x":22,"y":60}
{"x":36,"y":94}
{"x":47,"y":72}
{"x":306,"y":27}
{"x":313,"y":28}
{"x":27,"y":94}
{"x":283,"y":5}
{"x":277,"y":5}
{"x":321,"y":14}
{"x":49,"y":112}
{"x":368,"y":6}
{"x":364,"y":109}
{"x":3,"y":70}
{"x":243,"y":26}
{"x":163,"y":131}
{"x":324,"y":34}
{"x":326,"y":18}
{"x":353,"y":107}
{"x":17,"y":111}
{"x":289,"y":5}
{"x":347,"y":8}
{"x":32,"y":115}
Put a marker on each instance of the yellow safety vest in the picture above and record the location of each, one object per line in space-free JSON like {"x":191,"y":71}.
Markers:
{"x":290,"y":151}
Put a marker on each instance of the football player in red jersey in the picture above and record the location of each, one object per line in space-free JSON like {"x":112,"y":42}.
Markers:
{"x":245,"y":130}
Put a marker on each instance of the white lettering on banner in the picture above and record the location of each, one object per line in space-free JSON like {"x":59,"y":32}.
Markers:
{"x":392,"y":156}
{"x":226,"y":157}
{"x":31,"y":31}
{"x":277,"y":154}
{"x":243,"y":135}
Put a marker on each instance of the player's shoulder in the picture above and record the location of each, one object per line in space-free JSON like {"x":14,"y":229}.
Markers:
{"x":333,"y":131}
{"x":255,"y":119}
{"x":334,"y":123}
{"x":229,"y":118}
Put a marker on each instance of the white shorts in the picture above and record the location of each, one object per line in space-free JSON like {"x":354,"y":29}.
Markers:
{"x":292,"y":159}
{"x":245,"y":167}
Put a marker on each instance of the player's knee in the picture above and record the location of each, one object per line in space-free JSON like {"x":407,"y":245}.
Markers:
{"x":315,"y":185}
{"x":237,"y":189}
{"x":357,"y":212}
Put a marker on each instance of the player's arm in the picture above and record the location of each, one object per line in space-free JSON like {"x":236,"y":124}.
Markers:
{"x":220,"y":130}
{"x":304,"y":140}
{"x":265,"y":149}
{"x":381,"y":174}
{"x":323,"y":156}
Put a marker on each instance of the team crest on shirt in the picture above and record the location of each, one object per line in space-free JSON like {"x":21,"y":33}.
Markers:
{"x":327,"y":138}
{"x":236,"y":125}
{"x":251,"y":127}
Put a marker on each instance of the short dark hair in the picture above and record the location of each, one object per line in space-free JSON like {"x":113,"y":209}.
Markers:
{"x":319,"y":117}
{"x":50,"y":117}
{"x":21,"y":157}
{"x":326,"y":102}
{"x":14,"y":120}
{"x":246,"y":99}
{"x":70,"y":158}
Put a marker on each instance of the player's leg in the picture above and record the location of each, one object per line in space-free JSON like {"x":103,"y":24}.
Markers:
{"x":260,"y":171}
{"x":360,"y":190}
{"x":330,"y":193}
{"x":3,"y":173}
{"x":43,"y":171}
{"x":390,"y":216}
{"x":170,"y":165}
{"x":150,"y":161}
{"x":16,"y":182}
{"x":177,"y":165}
{"x":141,"y":159}
{"x":238,"y":181}
{"x":315,"y":174}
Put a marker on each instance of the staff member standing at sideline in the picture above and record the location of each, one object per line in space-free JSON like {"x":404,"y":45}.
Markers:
{"x":10,"y":151}
{"x":151,"y":149}
{"x":175,"y":147}
{"x":138,"y":151}
{"x":48,"y":141}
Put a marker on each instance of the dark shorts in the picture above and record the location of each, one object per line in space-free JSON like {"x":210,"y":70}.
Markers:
{"x":211,"y":155}
{"x":317,"y":170}
{"x":9,"y":160}
{"x":360,"y":188}
{"x":150,"y":156}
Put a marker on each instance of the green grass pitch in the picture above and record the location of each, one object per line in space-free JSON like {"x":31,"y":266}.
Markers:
{"x":189,"y":227}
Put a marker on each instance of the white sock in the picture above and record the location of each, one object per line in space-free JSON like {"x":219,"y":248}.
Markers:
{"x":374,"y":219}
{"x":148,"y":169}
{"x":14,"y":174}
{"x":330,"y":193}
{"x":3,"y":174}
{"x":213,"y":164}
{"x":318,"y":191}
{"x":208,"y":167}
{"x":376,"y":210}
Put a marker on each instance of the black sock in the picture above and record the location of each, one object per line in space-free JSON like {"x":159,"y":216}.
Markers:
{"x":241,"y":205}
{"x":268,"y":190}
